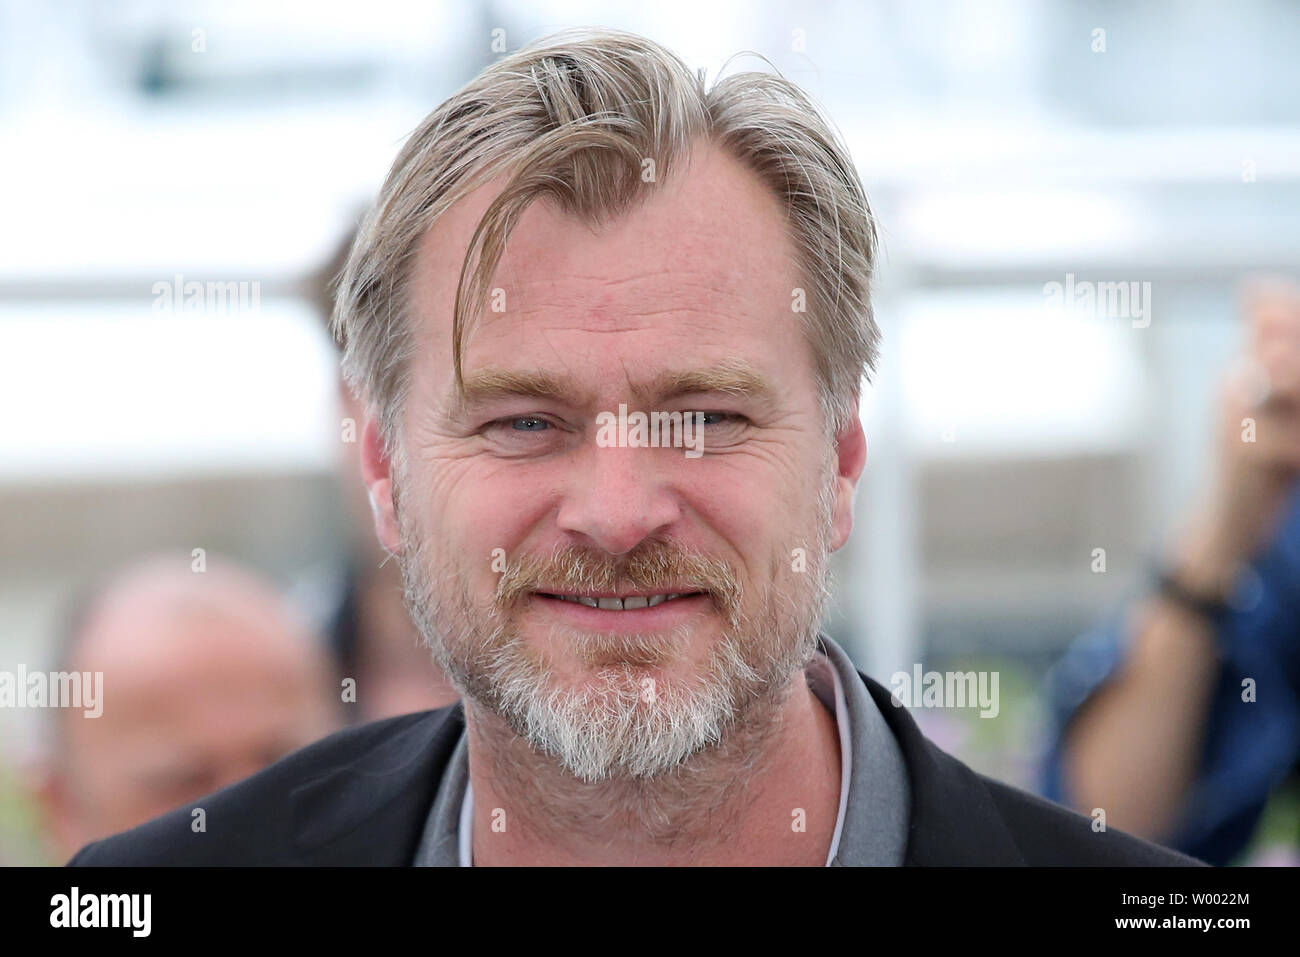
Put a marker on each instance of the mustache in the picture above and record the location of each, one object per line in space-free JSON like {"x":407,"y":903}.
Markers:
{"x":651,"y":566}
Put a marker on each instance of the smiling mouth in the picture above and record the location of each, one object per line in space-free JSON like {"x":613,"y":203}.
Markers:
{"x":623,"y":603}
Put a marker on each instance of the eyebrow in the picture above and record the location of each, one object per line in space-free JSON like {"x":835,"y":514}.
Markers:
{"x":733,"y":377}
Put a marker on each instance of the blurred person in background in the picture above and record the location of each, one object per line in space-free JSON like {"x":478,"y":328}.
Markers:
{"x":369,"y":629}
{"x":1181,"y":716}
{"x":208,"y":677}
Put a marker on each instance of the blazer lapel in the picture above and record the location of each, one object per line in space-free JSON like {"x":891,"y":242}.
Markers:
{"x":954,"y":821}
{"x":372,"y":811}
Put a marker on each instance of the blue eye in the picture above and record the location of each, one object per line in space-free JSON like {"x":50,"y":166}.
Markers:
{"x":720,"y":418}
{"x":533,"y":424}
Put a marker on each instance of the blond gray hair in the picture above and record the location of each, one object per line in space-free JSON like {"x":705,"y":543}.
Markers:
{"x":572,"y":117}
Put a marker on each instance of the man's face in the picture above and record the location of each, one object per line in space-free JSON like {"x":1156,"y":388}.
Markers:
{"x":507,"y":502}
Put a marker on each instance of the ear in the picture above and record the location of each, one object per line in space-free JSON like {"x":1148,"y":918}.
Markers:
{"x":851,"y":459}
{"x":376,"y":472}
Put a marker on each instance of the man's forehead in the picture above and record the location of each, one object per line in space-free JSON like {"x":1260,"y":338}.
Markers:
{"x":710,"y":237}
{"x":732,"y":377}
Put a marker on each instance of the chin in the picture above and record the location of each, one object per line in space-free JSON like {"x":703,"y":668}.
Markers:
{"x":581,"y":656}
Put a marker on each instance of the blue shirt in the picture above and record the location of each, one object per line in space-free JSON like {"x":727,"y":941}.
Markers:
{"x":1249,"y":747}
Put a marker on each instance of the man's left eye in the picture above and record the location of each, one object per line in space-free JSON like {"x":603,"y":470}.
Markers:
{"x":721,"y":418}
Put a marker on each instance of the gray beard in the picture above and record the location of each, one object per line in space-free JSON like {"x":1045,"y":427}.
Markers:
{"x":616,"y":727}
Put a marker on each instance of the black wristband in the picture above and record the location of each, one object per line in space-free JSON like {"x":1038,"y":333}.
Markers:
{"x":1211,"y":608}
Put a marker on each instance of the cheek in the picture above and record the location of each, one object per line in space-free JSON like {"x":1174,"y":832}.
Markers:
{"x":481,"y":511}
{"x":752,"y":503}
{"x":741,"y":513}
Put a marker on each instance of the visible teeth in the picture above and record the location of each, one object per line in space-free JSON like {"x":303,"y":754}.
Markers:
{"x":620,"y":604}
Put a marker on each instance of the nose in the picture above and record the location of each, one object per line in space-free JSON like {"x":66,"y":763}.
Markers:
{"x":619,"y":497}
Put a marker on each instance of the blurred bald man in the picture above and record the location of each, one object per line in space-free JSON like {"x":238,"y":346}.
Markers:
{"x":208,"y":677}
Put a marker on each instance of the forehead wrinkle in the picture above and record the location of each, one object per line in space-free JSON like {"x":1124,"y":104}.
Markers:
{"x":731,"y":377}
{"x":606,"y":301}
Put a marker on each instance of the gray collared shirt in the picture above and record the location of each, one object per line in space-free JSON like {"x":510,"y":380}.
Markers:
{"x":875,"y":795}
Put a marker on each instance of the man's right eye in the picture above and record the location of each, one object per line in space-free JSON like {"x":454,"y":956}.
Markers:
{"x":510,"y":427}
{"x":528,"y":423}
